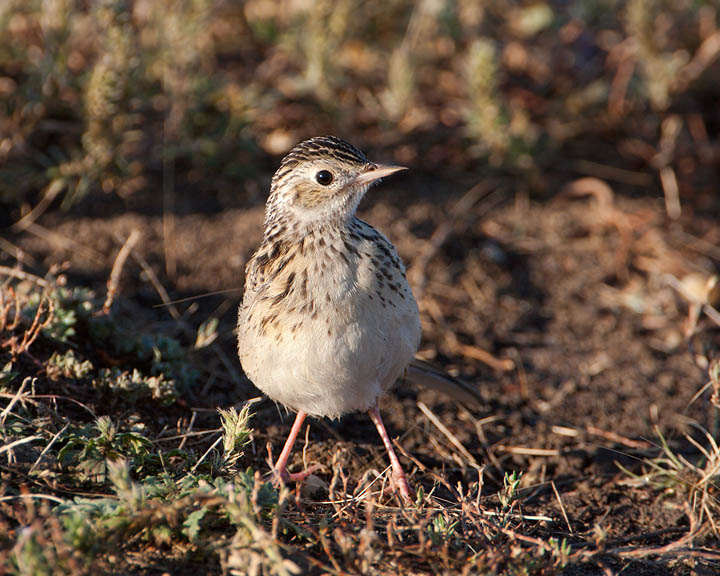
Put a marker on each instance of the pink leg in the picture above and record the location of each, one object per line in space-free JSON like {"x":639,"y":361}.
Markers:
{"x":281,"y":464}
{"x":398,"y":475}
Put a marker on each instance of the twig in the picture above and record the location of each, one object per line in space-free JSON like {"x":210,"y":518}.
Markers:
{"x":18,"y":253}
{"x":617,"y":438}
{"x":476,"y":353}
{"x":613,"y":173}
{"x":117,"y":268}
{"x":33,"y":496}
{"x":670,"y":550}
{"x":198,"y":296}
{"x":22,"y":275}
{"x":670,"y":188}
{"x":15,"y":398}
{"x":562,"y":507}
{"x":526,"y":451}
{"x":188,"y":432}
{"x":565,"y":431}
{"x":155,"y":281}
{"x":478,"y":424}
{"x":358,"y":497}
{"x":45,"y":450}
{"x":449,"y":435}
{"x":517,"y":516}
{"x":12,"y":445}
{"x":31,"y":334}
{"x":5,"y":310}
{"x":53,"y":397}
{"x":700,"y":245}
{"x":704,"y":56}
{"x":55,"y":187}
{"x":206,"y":453}
{"x":712,"y":313}
{"x":618,"y":89}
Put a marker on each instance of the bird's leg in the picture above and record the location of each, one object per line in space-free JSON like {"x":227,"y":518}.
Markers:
{"x":398,"y":475}
{"x":280,"y":467}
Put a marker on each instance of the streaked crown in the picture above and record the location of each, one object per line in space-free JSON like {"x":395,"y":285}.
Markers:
{"x":320,"y":181}
{"x":321,"y":148}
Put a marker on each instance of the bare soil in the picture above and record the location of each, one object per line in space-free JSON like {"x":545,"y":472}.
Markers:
{"x":575,"y":289}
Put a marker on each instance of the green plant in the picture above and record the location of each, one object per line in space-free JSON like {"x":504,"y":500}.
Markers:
{"x":485,"y":115}
{"x":442,"y":529}
{"x":236,"y":433}
{"x":90,"y":450}
{"x":696,"y":479}
{"x":659,"y":64}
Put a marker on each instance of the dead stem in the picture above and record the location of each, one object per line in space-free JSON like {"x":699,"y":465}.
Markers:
{"x":117,"y":268}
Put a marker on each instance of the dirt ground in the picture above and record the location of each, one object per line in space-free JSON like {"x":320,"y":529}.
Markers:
{"x":573,"y":299}
{"x":560,"y":222}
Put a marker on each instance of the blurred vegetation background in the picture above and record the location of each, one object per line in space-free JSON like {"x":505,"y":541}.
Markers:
{"x":143,"y":98}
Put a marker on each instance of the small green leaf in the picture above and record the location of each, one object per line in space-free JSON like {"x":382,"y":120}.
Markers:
{"x":191,"y":526}
{"x":207,"y":333}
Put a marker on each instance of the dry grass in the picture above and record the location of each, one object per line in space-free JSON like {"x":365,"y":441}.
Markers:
{"x":79,"y":487}
{"x":553,"y":275}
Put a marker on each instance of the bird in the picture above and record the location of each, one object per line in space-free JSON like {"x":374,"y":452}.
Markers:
{"x":328,"y":321}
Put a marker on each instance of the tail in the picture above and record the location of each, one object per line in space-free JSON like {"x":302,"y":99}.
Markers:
{"x":428,"y":376}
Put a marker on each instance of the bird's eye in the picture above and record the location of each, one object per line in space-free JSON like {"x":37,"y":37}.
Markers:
{"x":324,"y":177}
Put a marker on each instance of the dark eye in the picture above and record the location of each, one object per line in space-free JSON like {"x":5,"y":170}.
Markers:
{"x":324,"y":177}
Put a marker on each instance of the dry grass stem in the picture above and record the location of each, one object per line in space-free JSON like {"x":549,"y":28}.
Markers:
{"x":117,"y":268}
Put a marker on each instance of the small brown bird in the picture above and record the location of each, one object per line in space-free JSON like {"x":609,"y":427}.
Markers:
{"x":328,"y":321}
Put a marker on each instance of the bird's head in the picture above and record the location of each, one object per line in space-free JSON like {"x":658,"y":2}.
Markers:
{"x":322,"y":180}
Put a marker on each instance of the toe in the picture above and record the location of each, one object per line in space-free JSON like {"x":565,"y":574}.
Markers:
{"x":403,"y":488}
{"x":302,"y":476}
{"x":286,"y":477}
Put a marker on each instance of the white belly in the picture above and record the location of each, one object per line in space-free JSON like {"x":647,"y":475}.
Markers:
{"x":335,"y":363}
{"x":363,"y":333}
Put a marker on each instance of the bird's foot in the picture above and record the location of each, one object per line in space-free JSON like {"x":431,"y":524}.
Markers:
{"x":279,"y":467}
{"x":286,"y":477}
{"x":401,"y":486}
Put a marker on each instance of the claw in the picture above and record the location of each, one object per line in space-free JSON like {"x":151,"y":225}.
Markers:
{"x":286,"y":477}
{"x":402,"y":487}
{"x":399,"y":479}
{"x":279,"y":468}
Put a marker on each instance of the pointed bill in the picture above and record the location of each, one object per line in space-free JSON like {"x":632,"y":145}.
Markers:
{"x":379,"y":171}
